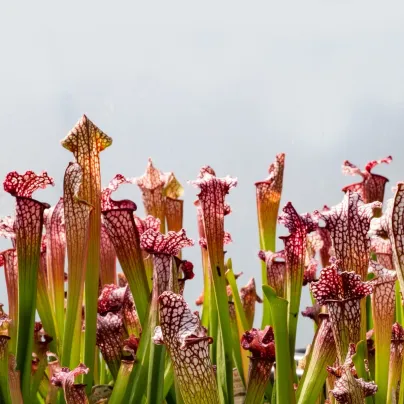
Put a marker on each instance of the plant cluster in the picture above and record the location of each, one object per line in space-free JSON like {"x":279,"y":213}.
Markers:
{"x":131,"y":337}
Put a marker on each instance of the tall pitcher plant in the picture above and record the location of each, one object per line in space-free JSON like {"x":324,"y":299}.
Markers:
{"x":96,"y":306}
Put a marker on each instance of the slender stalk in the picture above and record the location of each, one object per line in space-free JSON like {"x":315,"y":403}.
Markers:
{"x":55,"y":262}
{"x":77,"y":214}
{"x":155,"y":386}
{"x":238,"y":362}
{"x":401,"y":393}
{"x":322,"y":354}
{"x":283,"y":375}
{"x":225,"y":373}
{"x":5,"y":396}
{"x":207,"y":291}
{"x":103,"y":367}
{"x":268,"y":196}
{"x":295,"y":253}
{"x":212,"y":204}
{"x":121,"y":382}
{"x":359,"y":359}
{"x":168,"y":376}
{"x":138,"y":378}
{"x":209,"y":312}
{"x":214,"y":325}
{"x":29,"y":223}
{"x":45,"y":309}
{"x":155,"y":383}
{"x":242,"y":323}
{"x":86,"y":141}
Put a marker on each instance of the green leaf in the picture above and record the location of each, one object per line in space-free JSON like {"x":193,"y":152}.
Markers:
{"x":283,"y":375}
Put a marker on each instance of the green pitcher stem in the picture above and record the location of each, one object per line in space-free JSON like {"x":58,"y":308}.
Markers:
{"x":283,"y":372}
{"x":121,"y":382}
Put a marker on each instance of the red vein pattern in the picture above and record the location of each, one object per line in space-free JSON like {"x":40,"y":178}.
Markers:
{"x":124,"y":235}
{"x":276,"y":270}
{"x":64,"y":377}
{"x":14,"y":380}
{"x":320,"y":241}
{"x":28,"y":233}
{"x":186,"y":268}
{"x":322,"y":354}
{"x":341,"y":292}
{"x":174,"y":213}
{"x":5,"y":321}
{"x":249,"y":297}
{"x":26,"y":184}
{"x":119,"y":299}
{"x":41,"y":346}
{"x":107,"y":202}
{"x":171,"y":243}
{"x":130,"y":316}
{"x":391,"y":225}
{"x":9,"y":258}
{"x":117,"y":319}
{"x":188,"y":345}
{"x":107,"y":259}
{"x":174,"y":207}
{"x":348,"y":223}
{"x":77,"y":227}
{"x":396,"y":360}
{"x":347,"y":388}
{"x":28,"y":228}
{"x":77,"y":214}
{"x":313,"y":312}
{"x":383,"y":250}
{"x":372,"y":186}
{"x":131,"y":345}
{"x":164,"y":247}
{"x":4,"y":356}
{"x":149,"y":222}
{"x":86,"y":141}
{"x":268,"y":196}
{"x":211,"y":198}
{"x":383,"y":299}
{"x":295,"y":254}
{"x":44,"y":306}
{"x":55,"y":257}
{"x":310,"y":272}
{"x":260,"y":343}
{"x":262,"y":347}
{"x":151,"y":183}
{"x":7,"y":228}
{"x":110,"y":339}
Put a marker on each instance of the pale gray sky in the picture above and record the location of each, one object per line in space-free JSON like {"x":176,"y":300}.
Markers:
{"x":228,"y":84}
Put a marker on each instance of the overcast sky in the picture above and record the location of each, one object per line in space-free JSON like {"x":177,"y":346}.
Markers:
{"x":228,"y":84}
